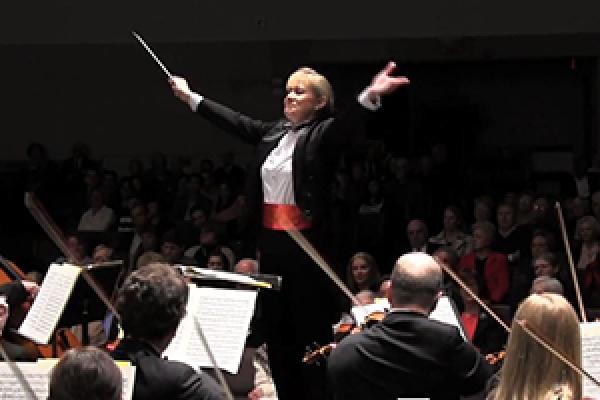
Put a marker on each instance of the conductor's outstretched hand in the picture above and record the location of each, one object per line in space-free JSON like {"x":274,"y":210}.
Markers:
{"x":180,"y":87}
{"x":384,"y":83}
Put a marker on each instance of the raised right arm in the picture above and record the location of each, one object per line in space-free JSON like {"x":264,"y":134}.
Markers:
{"x":248,"y":129}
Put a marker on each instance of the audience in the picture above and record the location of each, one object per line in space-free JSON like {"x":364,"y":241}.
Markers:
{"x":452,"y":233}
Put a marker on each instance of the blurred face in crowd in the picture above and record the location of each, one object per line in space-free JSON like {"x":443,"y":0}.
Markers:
{"x":586,"y":230}
{"x":596,"y":204}
{"x":525,"y":203}
{"x":417,"y":234}
{"x":505,"y":217}
{"x":102,"y":254}
{"x":360,"y":270}
{"x":208,"y":238}
{"x":539,"y":245}
{"x":149,"y":241}
{"x":384,"y":288}
{"x":541,"y":206}
{"x":76,"y":248}
{"x":450,"y":220}
{"x":215,"y":262}
{"x":481,"y":239}
{"x":482,"y":212}
{"x":580,"y":207}
{"x":153,"y":209}
{"x":246,"y":267}
{"x":138,"y":214}
{"x":96,"y":200}
{"x":172,"y":252}
{"x":198,"y":218}
{"x":544,"y":268}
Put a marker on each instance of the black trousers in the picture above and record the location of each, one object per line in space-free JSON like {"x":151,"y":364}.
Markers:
{"x":300,"y":314}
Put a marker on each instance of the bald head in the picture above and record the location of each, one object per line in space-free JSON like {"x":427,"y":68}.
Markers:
{"x":416,"y":281}
{"x":246,"y":266}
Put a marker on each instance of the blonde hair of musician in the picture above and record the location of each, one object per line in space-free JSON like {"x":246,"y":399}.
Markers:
{"x":530,"y":372}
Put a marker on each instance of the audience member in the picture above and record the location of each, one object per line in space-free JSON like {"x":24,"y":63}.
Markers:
{"x":362,"y":273}
{"x":492,"y":267}
{"x":452,"y":233}
{"x":98,"y":217}
{"x":546,"y":284}
{"x":417,"y":233}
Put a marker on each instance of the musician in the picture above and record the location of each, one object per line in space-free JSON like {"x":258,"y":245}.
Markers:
{"x":86,"y":373}
{"x":526,"y":362}
{"x":408,"y":354}
{"x":288,"y":185}
{"x":151,"y":303}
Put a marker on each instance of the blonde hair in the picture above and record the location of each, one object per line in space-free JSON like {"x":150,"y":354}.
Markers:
{"x":317,"y":82}
{"x":530,"y":372}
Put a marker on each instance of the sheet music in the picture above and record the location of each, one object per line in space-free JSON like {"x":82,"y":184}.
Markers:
{"x":38,"y":376}
{"x":41,"y":320}
{"x":445,"y":312}
{"x":590,"y":349}
{"x":224,"y":315}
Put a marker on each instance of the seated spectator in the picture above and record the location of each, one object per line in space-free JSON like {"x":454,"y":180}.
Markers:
{"x":362,"y":273}
{"x":546,"y":264}
{"x":511,"y":239}
{"x":483,"y":209}
{"x":102,"y":253}
{"x":481,"y":330}
{"x":151,"y":304}
{"x":524,"y":209}
{"x":587,"y":236}
{"x":86,"y":373}
{"x":452,"y":233}
{"x":492,"y":267}
{"x":77,"y":247}
{"x":447,"y":256}
{"x":217,"y":261}
{"x":246,"y":266}
{"x":172,"y":249}
{"x":546,"y":284}
{"x":209,"y":238}
{"x":417,"y":233}
{"x":99,"y":217}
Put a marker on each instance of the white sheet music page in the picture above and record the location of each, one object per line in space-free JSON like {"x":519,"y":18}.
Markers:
{"x":41,"y":320}
{"x":590,"y":350}
{"x":445,"y":312}
{"x":37,"y":375}
{"x":224,"y":315}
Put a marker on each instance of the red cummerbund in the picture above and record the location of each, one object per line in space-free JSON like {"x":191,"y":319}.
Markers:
{"x":282,"y":217}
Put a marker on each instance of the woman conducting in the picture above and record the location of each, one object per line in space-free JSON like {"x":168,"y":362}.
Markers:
{"x":288,"y":186}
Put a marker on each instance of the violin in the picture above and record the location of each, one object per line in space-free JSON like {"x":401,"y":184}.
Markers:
{"x":314,"y":355}
{"x":64,"y":339}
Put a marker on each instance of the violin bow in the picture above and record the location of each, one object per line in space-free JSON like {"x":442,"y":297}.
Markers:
{"x":42,"y":217}
{"x":527,"y":328}
{"x":571,"y":263}
{"x":301,"y":240}
{"x":212,"y":359}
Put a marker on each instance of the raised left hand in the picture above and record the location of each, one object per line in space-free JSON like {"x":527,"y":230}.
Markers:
{"x":384,"y":83}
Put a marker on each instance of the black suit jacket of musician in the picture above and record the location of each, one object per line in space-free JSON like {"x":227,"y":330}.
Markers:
{"x":156,"y":378}
{"x":406,"y":355}
{"x":315,"y":156}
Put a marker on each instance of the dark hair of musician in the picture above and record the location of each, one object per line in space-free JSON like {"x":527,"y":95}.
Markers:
{"x":86,"y":373}
{"x":152,"y":301}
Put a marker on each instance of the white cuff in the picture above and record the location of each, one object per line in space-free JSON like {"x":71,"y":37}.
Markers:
{"x":194,"y":100}
{"x":365,"y":101}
